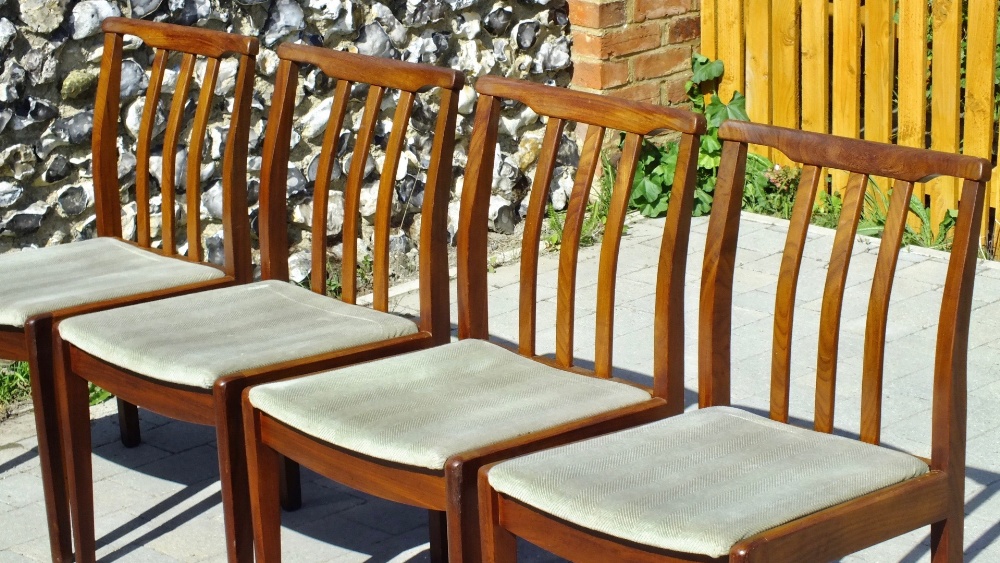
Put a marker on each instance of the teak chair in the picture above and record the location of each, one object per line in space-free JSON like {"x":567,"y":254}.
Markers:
{"x":190,"y":358}
{"x":722,"y":484}
{"x":43,"y":286}
{"x":416,"y":428}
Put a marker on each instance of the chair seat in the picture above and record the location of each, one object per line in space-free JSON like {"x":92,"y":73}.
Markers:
{"x":52,"y":278}
{"x":702,"y":481}
{"x":196,"y":339}
{"x":421,"y":408}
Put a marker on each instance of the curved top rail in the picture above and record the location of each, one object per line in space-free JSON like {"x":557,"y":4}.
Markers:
{"x":593,"y":109}
{"x":856,"y":155}
{"x":184,"y":38}
{"x":378,"y":71}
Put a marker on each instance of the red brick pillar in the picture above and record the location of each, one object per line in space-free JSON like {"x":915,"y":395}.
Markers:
{"x":638,"y":49}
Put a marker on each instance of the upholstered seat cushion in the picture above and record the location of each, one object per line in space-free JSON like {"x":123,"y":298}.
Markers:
{"x":702,"y":481}
{"x":421,"y":408}
{"x":51,"y":278}
{"x":195,"y":339}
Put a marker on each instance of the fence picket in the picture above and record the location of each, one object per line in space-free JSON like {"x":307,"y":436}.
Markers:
{"x":846,"y":76}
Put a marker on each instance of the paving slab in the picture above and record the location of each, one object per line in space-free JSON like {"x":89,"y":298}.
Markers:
{"x":160,"y":501}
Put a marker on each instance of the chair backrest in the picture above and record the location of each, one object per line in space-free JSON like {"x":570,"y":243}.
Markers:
{"x":191,"y":43}
{"x":599,"y":113}
{"x":381,"y":75}
{"x":862,"y":159}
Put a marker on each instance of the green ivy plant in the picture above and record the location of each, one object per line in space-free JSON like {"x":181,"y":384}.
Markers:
{"x":657,"y":163}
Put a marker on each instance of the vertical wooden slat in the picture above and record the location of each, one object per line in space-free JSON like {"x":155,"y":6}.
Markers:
{"x":195,"y":147}
{"x":833,"y":300}
{"x":709,"y":31}
{"x":729,"y":17}
{"x":352,"y":194}
{"x":435,"y":309}
{"x":788,"y":279}
{"x":846,"y":76}
{"x":143,"y":147}
{"x":758,"y":65}
{"x":945,"y":86}
{"x":671,"y":268}
{"x":716,"y":311}
{"x":606,"y":276}
{"x":979,"y":72}
{"x":912,"y":79}
{"x":235,"y":208}
{"x":383,"y":207}
{"x":576,"y":211}
{"x":816,"y":66}
{"x":107,"y":202}
{"x":273,"y":217}
{"x":174,"y":125}
{"x":878,"y":312}
{"x":473,"y":305}
{"x":879,"y":71}
{"x":532,"y":236}
{"x":785,"y":69}
{"x":321,"y":191}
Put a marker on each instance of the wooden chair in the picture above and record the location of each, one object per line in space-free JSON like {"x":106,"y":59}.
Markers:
{"x":43,"y":286}
{"x":190,"y":358}
{"x":416,"y":428}
{"x":720,"y":483}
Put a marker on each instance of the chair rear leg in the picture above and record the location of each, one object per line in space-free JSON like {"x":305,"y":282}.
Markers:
{"x":128,"y":424}
{"x":50,"y":455}
{"x":946,"y":539}
{"x":75,"y":420}
{"x":291,"y":484}
{"x":263,"y":469}
{"x":438,"y":525}
{"x":499,"y":545}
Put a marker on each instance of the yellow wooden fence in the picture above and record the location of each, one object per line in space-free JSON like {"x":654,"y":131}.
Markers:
{"x":861,"y":69}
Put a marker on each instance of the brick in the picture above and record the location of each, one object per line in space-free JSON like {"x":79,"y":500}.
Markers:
{"x":599,"y":75}
{"x":674,"y":91}
{"x":597,"y":15}
{"x":662,"y":62}
{"x":683,"y":29}
{"x":655,"y":9}
{"x":633,"y":38}
{"x":648,"y":92}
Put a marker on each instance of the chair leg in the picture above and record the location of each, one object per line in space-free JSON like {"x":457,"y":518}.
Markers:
{"x":75,"y":419}
{"x":438,"y":525}
{"x":128,"y":424}
{"x":50,"y":455}
{"x":463,"y":512}
{"x":263,"y":467}
{"x":499,"y":545}
{"x":291,"y":485}
{"x":946,"y":539}
{"x":233,"y":472}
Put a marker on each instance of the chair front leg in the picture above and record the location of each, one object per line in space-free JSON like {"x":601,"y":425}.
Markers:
{"x":232,"y":469}
{"x":463,"y":511}
{"x":38,"y":335}
{"x":499,"y":545}
{"x":128,"y":424}
{"x":946,"y":539}
{"x":263,"y":466}
{"x":74,"y":407}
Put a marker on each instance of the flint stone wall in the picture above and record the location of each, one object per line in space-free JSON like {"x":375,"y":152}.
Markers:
{"x":50,"y":57}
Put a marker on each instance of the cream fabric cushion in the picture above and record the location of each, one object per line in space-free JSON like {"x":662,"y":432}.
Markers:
{"x":702,"y":481}
{"x":195,"y":339}
{"x":421,"y":408}
{"x":55,"y":277}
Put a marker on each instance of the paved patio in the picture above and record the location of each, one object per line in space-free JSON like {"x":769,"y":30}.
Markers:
{"x":161,"y":501}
